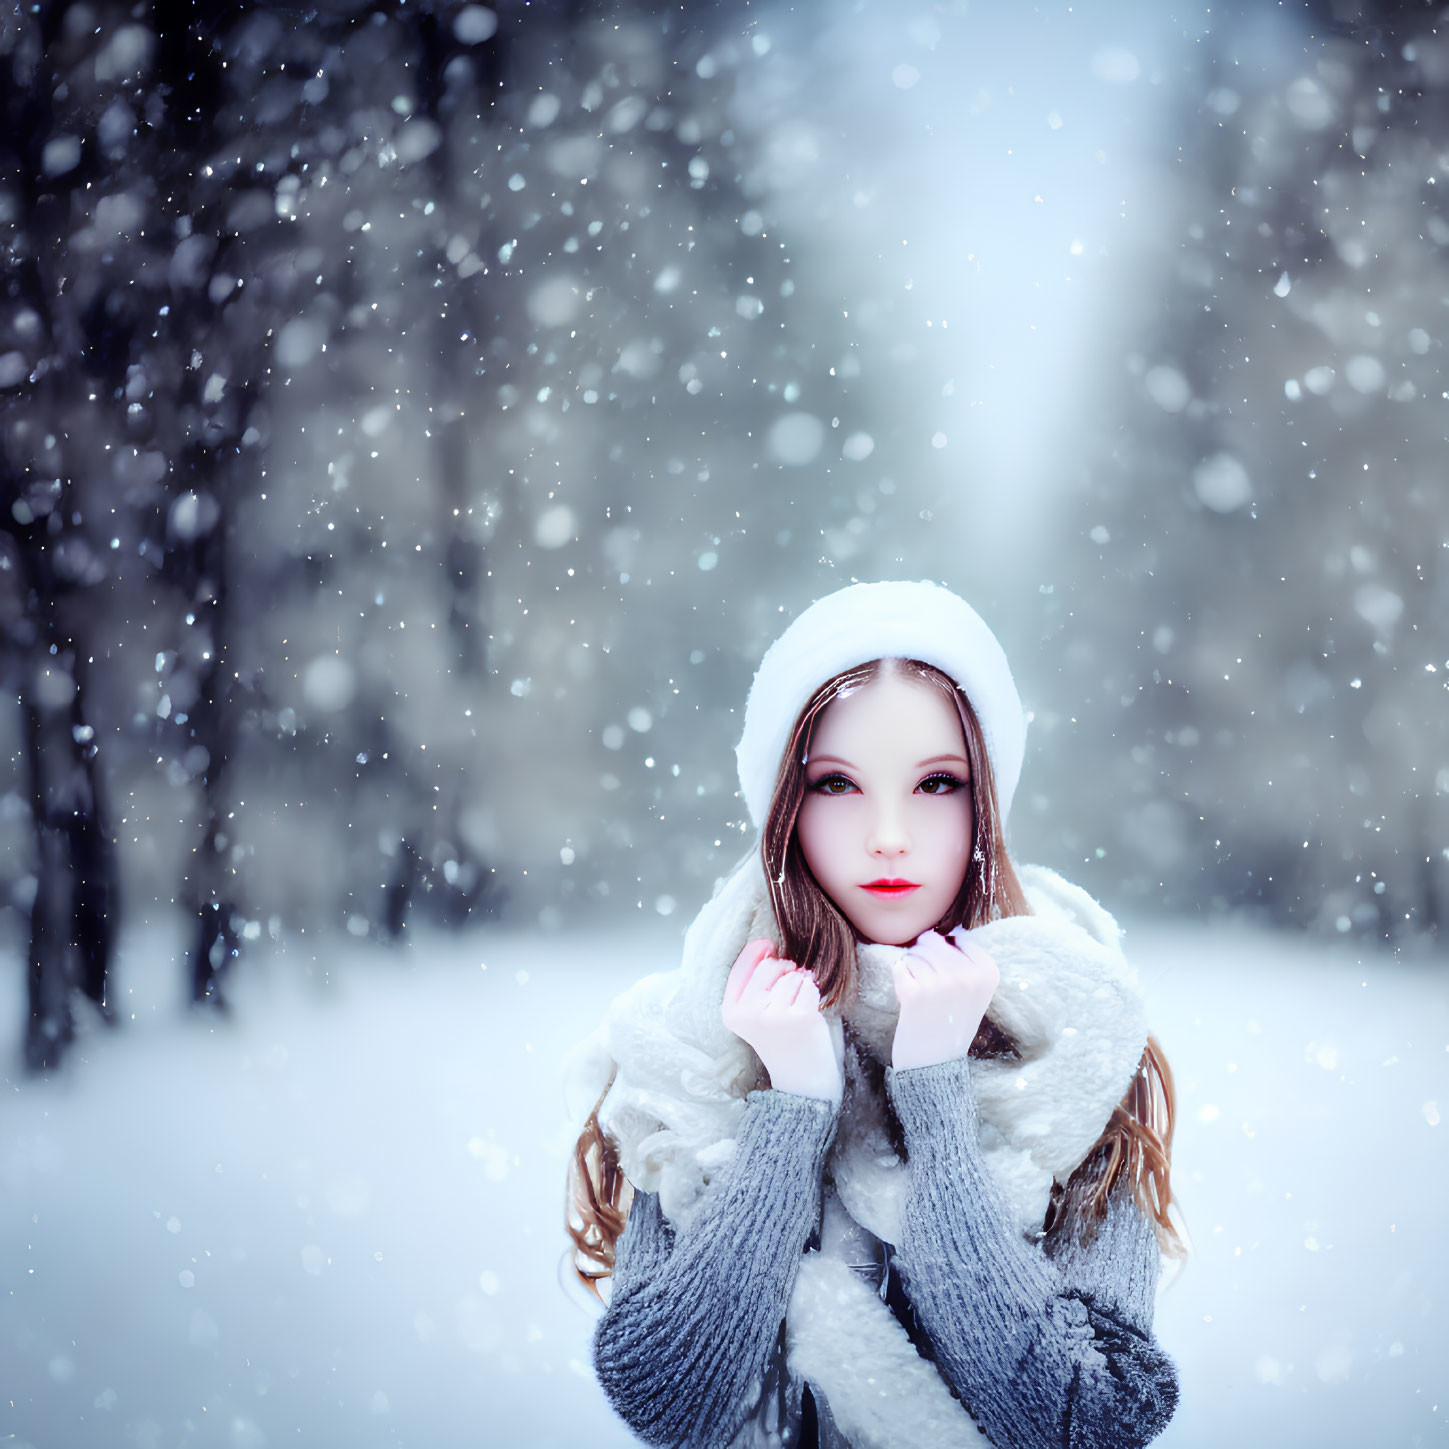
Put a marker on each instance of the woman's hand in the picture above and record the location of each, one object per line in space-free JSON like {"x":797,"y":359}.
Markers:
{"x":775,"y":1006}
{"x":944,"y":990}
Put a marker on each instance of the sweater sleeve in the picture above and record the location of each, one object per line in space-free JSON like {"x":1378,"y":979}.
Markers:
{"x":1042,"y":1349}
{"x":683,"y":1349}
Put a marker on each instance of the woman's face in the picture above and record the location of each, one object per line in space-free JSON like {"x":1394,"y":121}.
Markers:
{"x":886,"y":825}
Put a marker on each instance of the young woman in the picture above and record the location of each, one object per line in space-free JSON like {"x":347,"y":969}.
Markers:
{"x":885,"y":1161}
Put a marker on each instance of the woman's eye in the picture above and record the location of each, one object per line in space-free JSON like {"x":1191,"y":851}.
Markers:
{"x":832,"y":785}
{"x":940,"y":785}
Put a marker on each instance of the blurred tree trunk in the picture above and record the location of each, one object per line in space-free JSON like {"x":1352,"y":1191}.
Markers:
{"x":212,"y":725}
{"x":453,"y":97}
{"x":72,"y":920}
{"x":52,"y":570}
{"x":74,"y":909}
{"x":210,"y":336}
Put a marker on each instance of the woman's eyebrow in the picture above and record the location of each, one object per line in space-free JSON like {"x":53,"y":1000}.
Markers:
{"x":833,"y":759}
{"x":942,"y":760}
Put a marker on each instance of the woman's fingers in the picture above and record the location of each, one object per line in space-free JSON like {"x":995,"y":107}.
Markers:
{"x":936,"y":950}
{"x":935,"y":969}
{"x":908,"y":983}
{"x":953,"y":955}
{"x":808,"y":997}
{"x":763,"y":979}
{"x":785,"y":992}
{"x":744,"y":968}
{"x":796,"y":988}
{"x":923,"y":962}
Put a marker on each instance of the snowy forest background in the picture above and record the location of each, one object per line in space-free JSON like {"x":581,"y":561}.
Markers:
{"x":416,"y":420}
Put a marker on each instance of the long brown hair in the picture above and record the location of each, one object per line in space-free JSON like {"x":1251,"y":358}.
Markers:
{"x":1137,"y":1140}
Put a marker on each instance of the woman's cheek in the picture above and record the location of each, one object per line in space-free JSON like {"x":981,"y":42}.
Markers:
{"x":947,"y":824}
{"x":951,"y":840}
{"x":816,"y":840}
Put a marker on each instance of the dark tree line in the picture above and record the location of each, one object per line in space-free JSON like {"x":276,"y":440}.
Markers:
{"x":55,"y":345}
{"x":414,"y":418}
{"x":149,"y":265}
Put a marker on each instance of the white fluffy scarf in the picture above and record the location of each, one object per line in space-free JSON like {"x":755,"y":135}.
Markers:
{"x":1067,"y":999}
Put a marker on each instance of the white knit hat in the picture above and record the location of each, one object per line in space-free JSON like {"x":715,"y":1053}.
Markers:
{"x":855,"y":625}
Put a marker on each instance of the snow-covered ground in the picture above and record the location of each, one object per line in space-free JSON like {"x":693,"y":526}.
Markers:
{"x":336,"y":1217}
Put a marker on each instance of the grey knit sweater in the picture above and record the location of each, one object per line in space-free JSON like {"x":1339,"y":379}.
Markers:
{"x":1045,"y":1345}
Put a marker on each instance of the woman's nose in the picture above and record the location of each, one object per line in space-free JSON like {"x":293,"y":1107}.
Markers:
{"x":888,"y":834}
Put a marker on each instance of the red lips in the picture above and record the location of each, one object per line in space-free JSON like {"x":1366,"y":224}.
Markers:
{"x":893,"y":886}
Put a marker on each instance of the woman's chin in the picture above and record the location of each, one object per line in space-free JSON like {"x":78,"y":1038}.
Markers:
{"x":890,"y":936}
